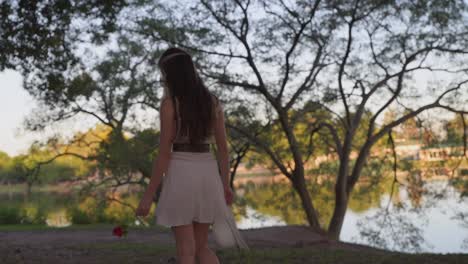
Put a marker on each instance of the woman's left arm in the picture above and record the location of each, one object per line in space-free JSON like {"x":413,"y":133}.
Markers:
{"x":161,"y":162}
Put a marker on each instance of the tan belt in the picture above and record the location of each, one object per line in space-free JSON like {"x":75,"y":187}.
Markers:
{"x":187,"y":147}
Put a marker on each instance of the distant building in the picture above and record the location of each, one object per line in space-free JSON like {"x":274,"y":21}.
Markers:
{"x":410,"y":151}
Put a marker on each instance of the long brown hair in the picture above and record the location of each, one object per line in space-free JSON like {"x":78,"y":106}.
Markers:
{"x":196,"y":106}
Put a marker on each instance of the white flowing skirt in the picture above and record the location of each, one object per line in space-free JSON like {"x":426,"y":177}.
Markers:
{"x":192,"y":190}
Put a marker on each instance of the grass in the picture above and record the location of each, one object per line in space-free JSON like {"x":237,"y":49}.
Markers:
{"x":29,"y":227}
{"x":128,"y":251}
{"x":122,"y":251}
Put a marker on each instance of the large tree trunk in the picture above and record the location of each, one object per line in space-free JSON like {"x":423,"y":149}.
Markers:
{"x":339,"y":212}
{"x":298,"y":178}
{"x":344,"y":186}
{"x":341,"y":195}
{"x":237,"y":161}
{"x":301,"y":188}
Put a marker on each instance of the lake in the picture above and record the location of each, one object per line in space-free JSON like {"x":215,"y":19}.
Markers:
{"x":426,"y":213}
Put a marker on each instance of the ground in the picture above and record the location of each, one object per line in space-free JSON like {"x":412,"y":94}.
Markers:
{"x":95,"y":244}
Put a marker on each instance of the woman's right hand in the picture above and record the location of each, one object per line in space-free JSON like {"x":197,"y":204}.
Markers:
{"x":144,"y":205}
{"x":228,"y":195}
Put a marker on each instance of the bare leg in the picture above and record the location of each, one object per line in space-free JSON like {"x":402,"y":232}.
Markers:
{"x":203,"y":253}
{"x":185,"y":244}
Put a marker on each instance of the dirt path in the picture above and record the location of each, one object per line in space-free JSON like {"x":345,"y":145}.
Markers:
{"x":280,"y":236}
{"x":66,"y":245}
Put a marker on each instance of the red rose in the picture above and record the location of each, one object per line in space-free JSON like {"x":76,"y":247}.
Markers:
{"x":118,"y":231}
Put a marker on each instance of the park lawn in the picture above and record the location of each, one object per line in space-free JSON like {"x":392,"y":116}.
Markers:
{"x":28,"y":227}
{"x":122,"y":251}
{"x":131,"y":252}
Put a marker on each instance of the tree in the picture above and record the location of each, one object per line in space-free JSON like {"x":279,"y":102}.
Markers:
{"x":353,"y":58}
{"x":42,"y":35}
{"x":111,"y":91}
{"x":5,"y":167}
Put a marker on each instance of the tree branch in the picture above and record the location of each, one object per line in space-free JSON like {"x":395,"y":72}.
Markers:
{"x":264,"y":147}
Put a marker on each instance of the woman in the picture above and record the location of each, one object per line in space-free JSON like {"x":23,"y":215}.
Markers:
{"x":194,"y":193}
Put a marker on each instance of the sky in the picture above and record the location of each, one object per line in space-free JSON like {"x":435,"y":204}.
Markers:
{"x":15,"y":105}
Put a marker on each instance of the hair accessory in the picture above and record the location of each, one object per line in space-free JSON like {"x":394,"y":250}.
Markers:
{"x":172,"y":56}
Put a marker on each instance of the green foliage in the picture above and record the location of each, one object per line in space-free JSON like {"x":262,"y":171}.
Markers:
{"x":27,"y":213}
{"x":454,"y":131}
{"x":81,"y":85}
{"x":88,"y":211}
{"x":15,"y":171}
{"x":439,"y":14}
{"x":10,"y":215}
{"x":42,"y":35}
{"x":123,"y":156}
{"x":48,"y":207}
{"x":40,"y":166}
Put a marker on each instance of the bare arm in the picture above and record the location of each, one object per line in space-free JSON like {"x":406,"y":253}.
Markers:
{"x":222,"y":146}
{"x":161,"y":163}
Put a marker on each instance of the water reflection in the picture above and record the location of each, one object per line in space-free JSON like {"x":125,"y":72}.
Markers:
{"x":58,"y":218}
{"x":432,"y":223}
{"x":255,"y":219}
{"x":425,"y":211}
